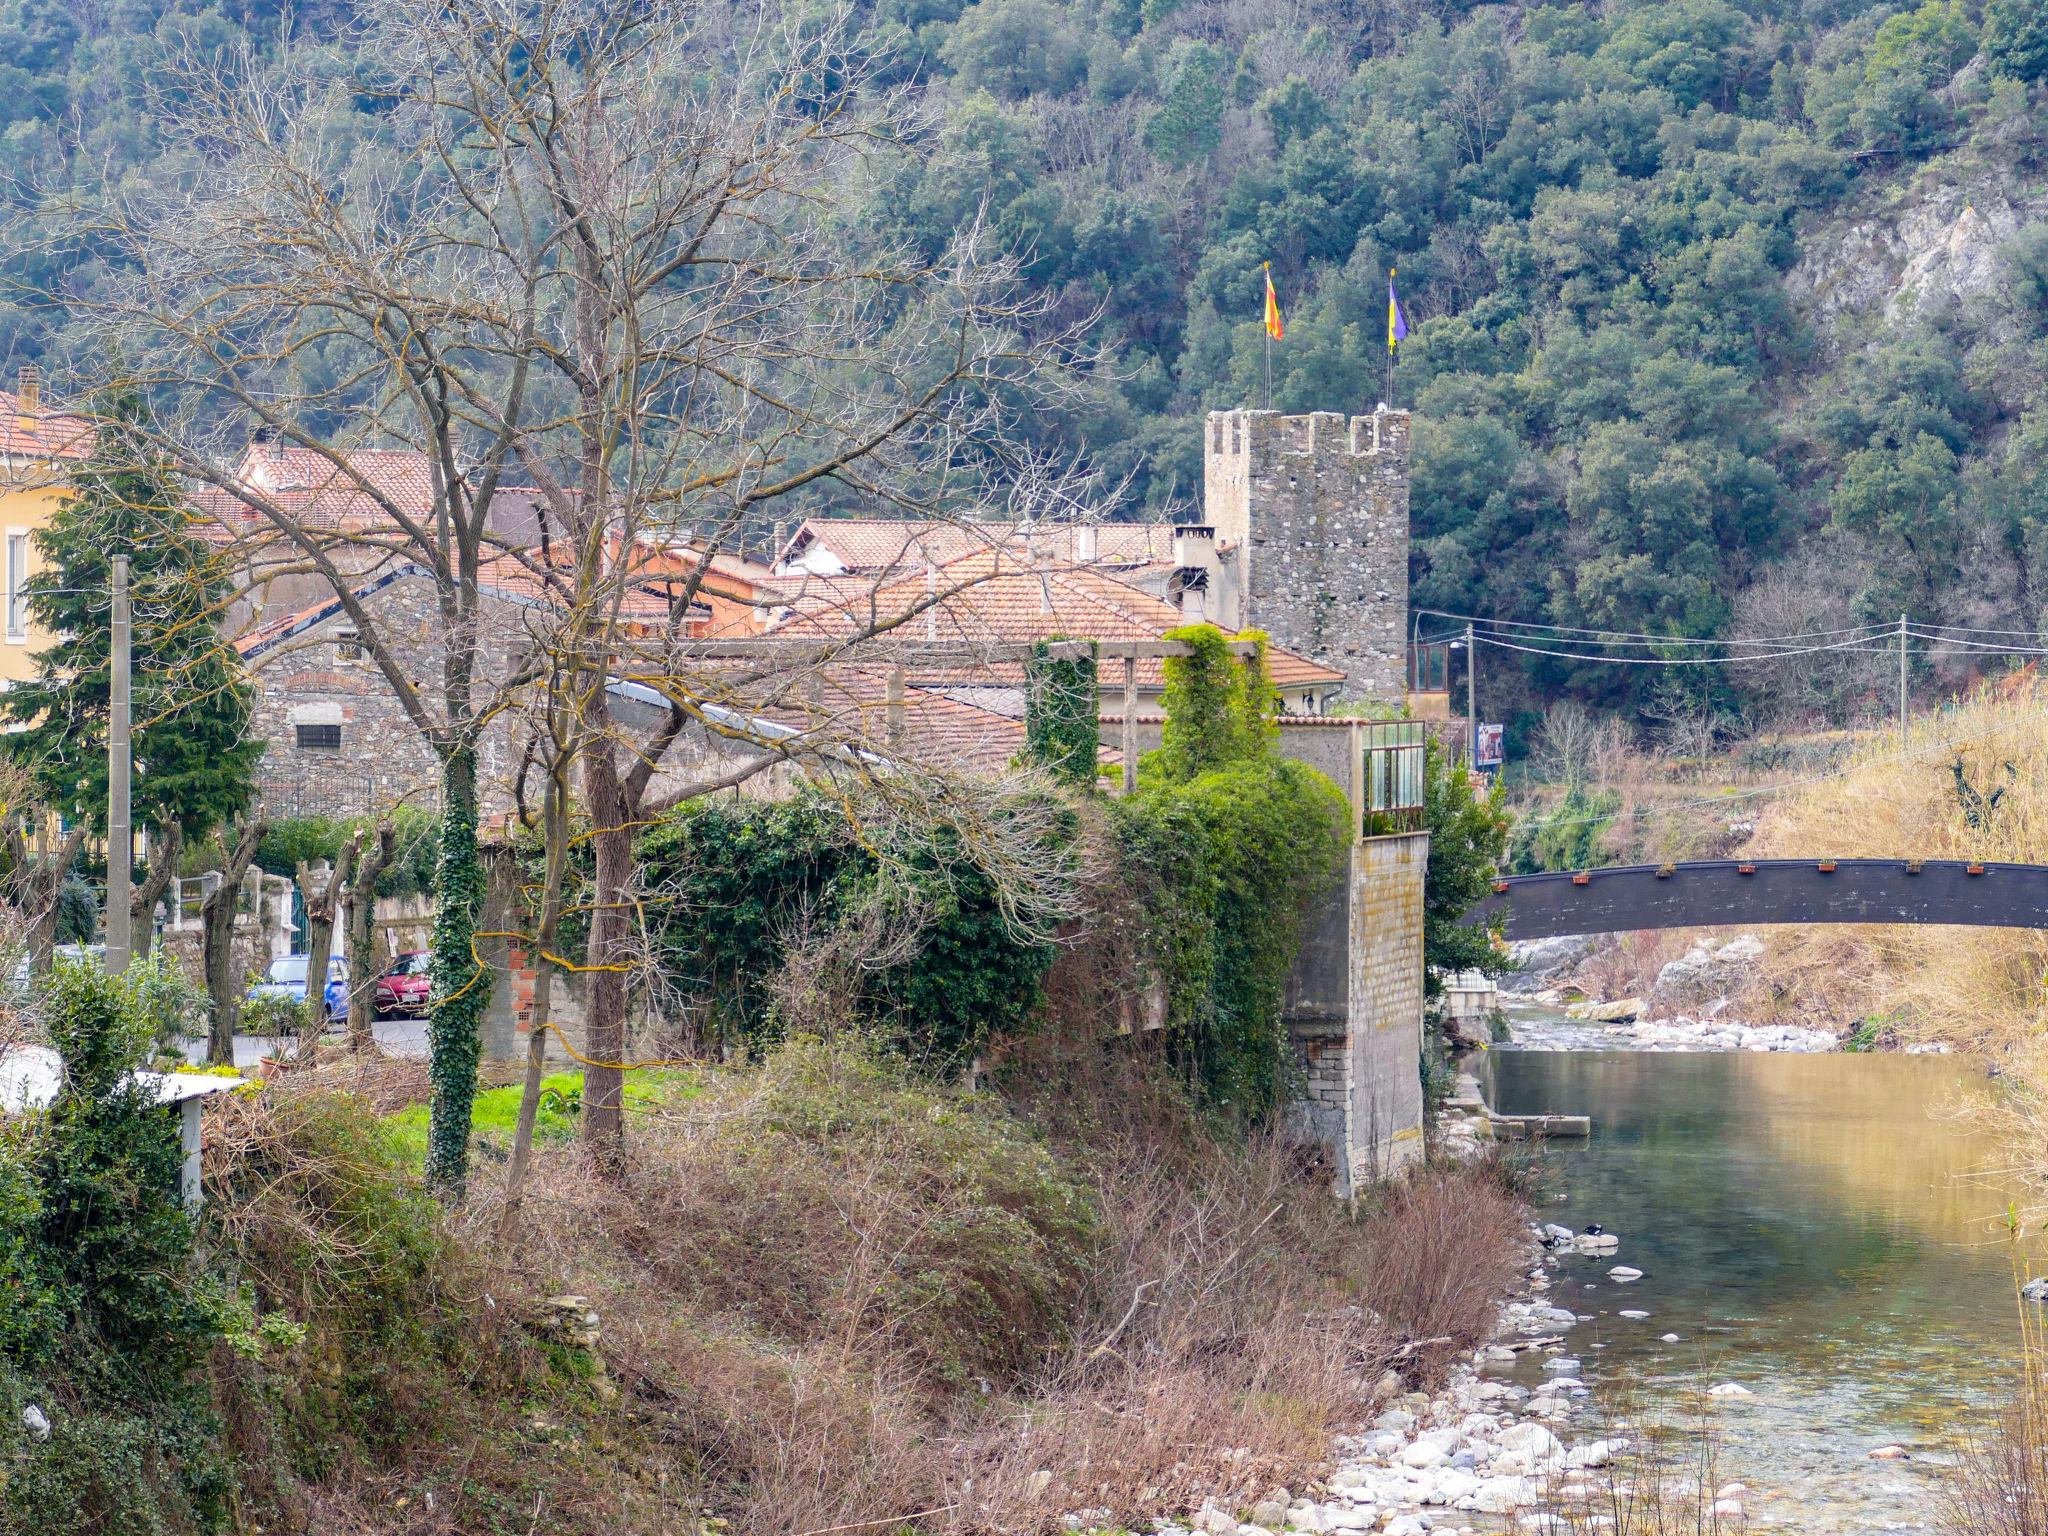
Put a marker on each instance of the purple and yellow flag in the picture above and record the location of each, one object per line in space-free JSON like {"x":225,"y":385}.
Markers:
{"x":1397,"y":318}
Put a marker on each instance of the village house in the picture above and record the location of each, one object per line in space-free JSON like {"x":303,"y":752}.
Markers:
{"x":39,"y":449}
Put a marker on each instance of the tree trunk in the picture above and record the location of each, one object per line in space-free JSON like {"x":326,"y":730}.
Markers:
{"x":462,"y":987}
{"x":320,"y":926}
{"x":217,"y":944}
{"x":164,"y":851}
{"x":359,"y":919}
{"x":45,"y":886}
{"x":555,"y":839}
{"x":604,"y":1130}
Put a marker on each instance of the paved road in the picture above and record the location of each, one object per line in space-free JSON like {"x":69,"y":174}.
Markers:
{"x":401,"y":1037}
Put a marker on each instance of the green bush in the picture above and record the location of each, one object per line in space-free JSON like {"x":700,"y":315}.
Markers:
{"x":112,"y":1319}
{"x":745,"y":882}
{"x":970,"y":1241}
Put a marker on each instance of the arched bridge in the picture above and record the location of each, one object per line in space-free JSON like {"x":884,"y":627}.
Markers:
{"x":1754,"y":892}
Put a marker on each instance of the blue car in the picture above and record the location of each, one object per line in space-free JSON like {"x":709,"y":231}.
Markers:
{"x":288,"y":979}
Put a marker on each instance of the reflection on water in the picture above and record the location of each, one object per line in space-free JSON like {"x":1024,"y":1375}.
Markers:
{"x":1826,"y":1230}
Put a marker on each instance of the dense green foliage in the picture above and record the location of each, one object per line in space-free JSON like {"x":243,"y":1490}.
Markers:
{"x":461,"y":985}
{"x":1468,"y":847}
{"x":1061,"y":725}
{"x":1227,"y":846}
{"x":102,"y":1296}
{"x":194,"y":755}
{"x":1212,"y":869}
{"x":748,"y":886}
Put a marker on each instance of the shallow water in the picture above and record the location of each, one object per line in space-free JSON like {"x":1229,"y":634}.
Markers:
{"x":1827,"y":1231}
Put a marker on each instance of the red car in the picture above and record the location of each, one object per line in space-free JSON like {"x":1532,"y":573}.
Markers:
{"x":402,"y":990}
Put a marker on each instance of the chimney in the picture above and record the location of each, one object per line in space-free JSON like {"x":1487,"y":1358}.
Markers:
{"x":29,"y":386}
{"x":1085,"y":544}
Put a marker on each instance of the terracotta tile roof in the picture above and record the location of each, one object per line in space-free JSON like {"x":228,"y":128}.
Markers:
{"x":42,"y":433}
{"x":310,"y":488}
{"x":503,"y":577}
{"x":884,"y":544}
{"x":991,"y":598}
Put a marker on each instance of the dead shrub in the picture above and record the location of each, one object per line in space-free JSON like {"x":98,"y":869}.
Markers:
{"x":1446,"y":1245}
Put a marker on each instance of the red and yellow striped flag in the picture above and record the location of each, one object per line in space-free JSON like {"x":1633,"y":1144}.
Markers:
{"x":1274,"y":328}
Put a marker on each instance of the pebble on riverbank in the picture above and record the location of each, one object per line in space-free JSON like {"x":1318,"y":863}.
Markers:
{"x":1480,"y":1446}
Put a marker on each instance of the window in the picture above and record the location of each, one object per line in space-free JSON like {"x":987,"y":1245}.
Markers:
{"x":319,"y":738}
{"x":348,"y":646}
{"x":17,"y":579}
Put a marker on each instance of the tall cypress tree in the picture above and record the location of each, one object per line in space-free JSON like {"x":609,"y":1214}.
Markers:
{"x":194,"y":756}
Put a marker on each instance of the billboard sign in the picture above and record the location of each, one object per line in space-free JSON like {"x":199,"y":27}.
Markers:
{"x":1489,"y":752}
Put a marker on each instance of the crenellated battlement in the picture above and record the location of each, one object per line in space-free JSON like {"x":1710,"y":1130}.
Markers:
{"x":1312,"y":512}
{"x":1239,"y":434}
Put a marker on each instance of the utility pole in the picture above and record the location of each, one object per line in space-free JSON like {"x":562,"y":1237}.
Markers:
{"x":120,"y":833}
{"x":1902,"y":682}
{"x":1471,"y":700}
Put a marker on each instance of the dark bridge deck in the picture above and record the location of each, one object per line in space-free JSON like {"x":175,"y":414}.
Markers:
{"x":1764,"y":891}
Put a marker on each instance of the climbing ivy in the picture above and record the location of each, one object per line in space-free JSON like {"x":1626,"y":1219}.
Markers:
{"x":1218,"y":710}
{"x":462,"y":988}
{"x":1061,"y":705}
{"x":745,"y":886}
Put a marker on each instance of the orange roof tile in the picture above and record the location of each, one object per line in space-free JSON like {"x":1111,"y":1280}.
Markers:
{"x":42,"y":433}
{"x":990,"y":598}
{"x":885,"y":544}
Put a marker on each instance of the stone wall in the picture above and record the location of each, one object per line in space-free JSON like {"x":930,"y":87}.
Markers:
{"x":320,"y":677}
{"x":1386,"y":989}
{"x":1354,"y":1014}
{"x":1316,"y":510}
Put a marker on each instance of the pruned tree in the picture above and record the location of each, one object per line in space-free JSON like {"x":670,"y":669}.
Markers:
{"x":370,"y":856}
{"x":217,"y":910}
{"x":606,"y":250}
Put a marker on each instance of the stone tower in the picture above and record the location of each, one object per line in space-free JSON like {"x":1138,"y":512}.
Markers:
{"x":1310,"y":515}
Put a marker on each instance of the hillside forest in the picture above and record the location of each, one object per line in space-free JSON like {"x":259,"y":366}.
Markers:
{"x":1728,"y":318}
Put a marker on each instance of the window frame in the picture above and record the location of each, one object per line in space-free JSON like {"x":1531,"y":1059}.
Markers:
{"x":321,"y":743}
{"x":17,"y":586}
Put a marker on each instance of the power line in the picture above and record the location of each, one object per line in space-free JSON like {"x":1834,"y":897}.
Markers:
{"x":1589,"y":636}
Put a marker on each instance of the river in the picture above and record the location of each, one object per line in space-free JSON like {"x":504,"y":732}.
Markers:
{"x":1824,"y":1230}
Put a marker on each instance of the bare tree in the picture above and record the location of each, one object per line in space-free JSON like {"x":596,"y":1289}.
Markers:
{"x":610,"y":249}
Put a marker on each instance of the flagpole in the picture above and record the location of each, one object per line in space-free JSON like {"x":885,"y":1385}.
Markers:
{"x":1266,"y":271}
{"x":1390,"y":337}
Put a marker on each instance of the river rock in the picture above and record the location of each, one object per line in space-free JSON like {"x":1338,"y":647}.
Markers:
{"x":1624,"y":1274}
{"x":2035,"y":1290}
{"x":1536,"y":960}
{"x":1632,"y":1315}
{"x":1623,"y":1010}
{"x":1562,"y":1365}
{"x":1421,"y":1454}
{"x":1596,"y":1242}
{"x":1729,"y":1389}
{"x":1668,"y":1338}
{"x":1707,"y":971}
{"x":1890,"y":1453}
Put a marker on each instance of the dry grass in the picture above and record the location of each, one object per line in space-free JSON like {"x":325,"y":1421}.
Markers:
{"x":1978,"y":988}
{"x":832,"y":1295}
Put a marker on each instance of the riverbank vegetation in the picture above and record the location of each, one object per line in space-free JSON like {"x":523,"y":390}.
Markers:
{"x":944,"y":1219}
{"x":828,"y":1290}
